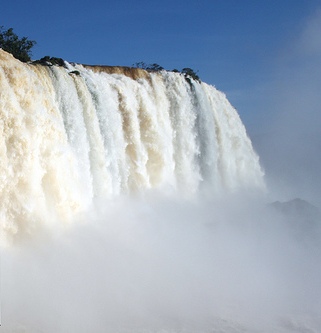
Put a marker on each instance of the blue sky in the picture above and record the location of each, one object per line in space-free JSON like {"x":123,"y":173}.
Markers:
{"x":262,"y":54}
{"x":232,"y":43}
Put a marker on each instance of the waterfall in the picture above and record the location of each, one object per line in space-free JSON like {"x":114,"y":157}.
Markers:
{"x":71,"y":135}
{"x":173,"y":233}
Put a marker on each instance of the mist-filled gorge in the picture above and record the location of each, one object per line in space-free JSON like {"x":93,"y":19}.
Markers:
{"x":137,"y":204}
{"x":165,"y":265}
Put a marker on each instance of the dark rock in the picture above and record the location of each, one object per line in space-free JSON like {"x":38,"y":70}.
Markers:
{"x":50,"y":61}
{"x":75,"y":72}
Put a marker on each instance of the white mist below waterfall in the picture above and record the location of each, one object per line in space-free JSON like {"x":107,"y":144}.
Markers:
{"x":69,"y":139}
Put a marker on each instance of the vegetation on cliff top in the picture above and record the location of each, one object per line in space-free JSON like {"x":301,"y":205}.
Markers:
{"x":20,"y":48}
{"x":187,"y":72}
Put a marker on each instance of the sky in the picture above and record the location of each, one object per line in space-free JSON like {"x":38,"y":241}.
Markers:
{"x":233,"y":44}
{"x":262,"y":54}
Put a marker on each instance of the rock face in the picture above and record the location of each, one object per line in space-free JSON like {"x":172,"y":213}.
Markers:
{"x":304,"y":217}
{"x":297,"y":208}
{"x":131,"y":72}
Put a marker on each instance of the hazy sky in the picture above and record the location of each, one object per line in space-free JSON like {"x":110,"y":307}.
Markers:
{"x":263,"y":54}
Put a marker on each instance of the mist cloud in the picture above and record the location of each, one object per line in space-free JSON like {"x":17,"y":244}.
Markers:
{"x":290,"y":149}
{"x":163,"y":265}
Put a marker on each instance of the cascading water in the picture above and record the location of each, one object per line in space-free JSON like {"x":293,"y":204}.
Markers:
{"x":83,"y":139}
{"x":72,"y":135}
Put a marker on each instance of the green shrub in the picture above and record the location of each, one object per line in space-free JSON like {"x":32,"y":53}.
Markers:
{"x":20,"y":48}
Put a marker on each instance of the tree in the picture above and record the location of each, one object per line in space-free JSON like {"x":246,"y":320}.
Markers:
{"x":149,"y":68}
{"x":20,"y":48}
{"x":190,"y":73}
{"x":154,"y":68}
{"x":140,"y":64}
